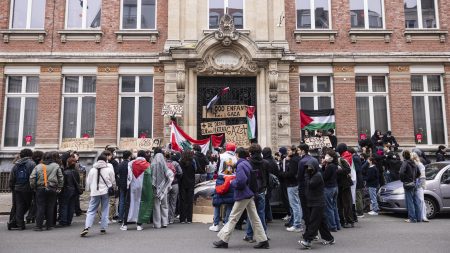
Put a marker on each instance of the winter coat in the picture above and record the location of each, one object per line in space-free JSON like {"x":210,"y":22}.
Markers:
{"x":301,"y":170}
{"x":372,"y":177}
{"x":55,"y":178}
{"x":241,"y":183}
{"x":409,"y":172}
{"x":440,"y":156}
{"x":330,"y":175}
{"x":221,"y":199}
{"x":71,"y":178}
{"x":29,"y":166}
{"x":123,"y":175}
{"x":95,"y":184}
{"x":344,"y":179}
{"x":393,"y":166}
{"x":290,"y":176}
{"x":201,"y":161}
{"x":188,"y":178}
{"x":314,"y":186}
{"x":257,"y":162}
{"x":358,"y":169}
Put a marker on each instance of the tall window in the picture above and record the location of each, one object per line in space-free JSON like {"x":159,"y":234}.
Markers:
{"x":21,"y":111}
{"x":313,"y":14}
{"x":138,"y":14}
{"x":79,"y":106}
{"x":217,"y":8}
{"x":372,"y":104}
{"x":27,"y":14}
{"x":366,"y":14}
{"x":421,"y":14}
{"x":136,"y":107}
{"x":83,"y":14}
{"x":428,"y":108}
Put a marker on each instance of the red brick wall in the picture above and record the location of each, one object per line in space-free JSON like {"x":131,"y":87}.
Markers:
{"x":400,"y":104}
{"x":110,"y":23}
{"x":294,"y":83}
{"x":345,"y":104}
{"x":49,"y":106}
{"x":340,"y":21}
{"x":106,"y":108}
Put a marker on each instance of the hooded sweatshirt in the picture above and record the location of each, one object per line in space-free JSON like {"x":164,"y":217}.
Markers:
{"x":241,"y":183}
{"x":98,"y":185}
{"x":261,"y":165}
{"x":314,"y":186}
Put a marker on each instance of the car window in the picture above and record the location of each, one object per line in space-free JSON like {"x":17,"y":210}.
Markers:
{"x":445,"y":176}
{"x":431,"y":170}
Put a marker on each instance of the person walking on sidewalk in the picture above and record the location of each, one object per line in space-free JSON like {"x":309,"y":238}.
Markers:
{"x":100,"y":178}
{"x":244,"y":200}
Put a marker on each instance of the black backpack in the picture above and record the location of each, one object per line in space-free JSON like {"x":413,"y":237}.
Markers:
{"x":253,"y":181}
{"x":22,"y":175}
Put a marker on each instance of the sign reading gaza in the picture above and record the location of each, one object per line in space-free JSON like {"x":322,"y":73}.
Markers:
{"x":316,"y":142}
{"x":225,"y":111}
{"x":170,"y":110}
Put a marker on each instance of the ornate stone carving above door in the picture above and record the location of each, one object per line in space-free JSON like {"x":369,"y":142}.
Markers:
{"x":227,"y":61}
{"x":227,"y":32}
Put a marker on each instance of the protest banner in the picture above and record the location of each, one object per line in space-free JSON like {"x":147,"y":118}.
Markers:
{"x":139,"y":143}
{"x":170,"y":110}
{"x":225,"y":111}
{"x":237,"y":134}
{"x":77,"y":144}
{"x":213,"y":127}
{"x":318,"y":143}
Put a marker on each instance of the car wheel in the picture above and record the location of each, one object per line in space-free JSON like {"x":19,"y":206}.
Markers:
{"x":431,"y":207}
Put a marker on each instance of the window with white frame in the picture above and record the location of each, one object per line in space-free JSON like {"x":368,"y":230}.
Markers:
{"x":83,"y":14}
{"x":136,"y":106}
{"x":428,"y":108}
{"x":313,"y":14}
{"x":138,"y":14}
{"x":27,"y":14}
{"x":367,"y":14}
{"x":79,"y":106}
{"x":21,"y":111}
{"x":217,"y":8}
{"x":421,"y":14}
{"x":316,"y":93}
{"x":372,"y":104}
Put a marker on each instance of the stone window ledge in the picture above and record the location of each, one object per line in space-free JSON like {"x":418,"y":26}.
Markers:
{"x":370,"y":34}
{"x":425,"y":34}
{"x":150,"y":35}
{"x":241,"y":31}
{"x":80,"y":35}
{"x":23,"y":34}
{"x":315,"y":34}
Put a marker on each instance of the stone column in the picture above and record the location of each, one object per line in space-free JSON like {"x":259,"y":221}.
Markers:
{"x":49,"y":107}
{"x":294,"y":83}
{"x":158,"y":101}
{"x":400,"y":105}
{"x":106,"y":108}
{"x":447,"y":98}
{"x":345,"y":104}
{"x":281,"y":114}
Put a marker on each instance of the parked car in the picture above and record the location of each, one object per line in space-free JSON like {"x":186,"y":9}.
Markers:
{"x":391,"y":197}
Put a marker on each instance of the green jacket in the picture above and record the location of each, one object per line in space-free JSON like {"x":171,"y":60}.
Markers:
{"x":55,"y":177}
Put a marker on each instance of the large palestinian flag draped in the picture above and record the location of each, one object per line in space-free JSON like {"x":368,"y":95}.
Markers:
{"x":141,"y":191}
{"x":182,"y":141}
{"x":251,"y":122}
{"x":317,"y":119}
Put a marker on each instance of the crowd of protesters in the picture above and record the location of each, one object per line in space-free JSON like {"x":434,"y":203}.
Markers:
{"x":321,"y":194}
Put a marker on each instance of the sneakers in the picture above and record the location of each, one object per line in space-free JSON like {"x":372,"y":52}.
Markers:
{"x":220,"y":244}
{"x":426,"y":220}
{"x":373,"y":213}
{"x":124,"y":228}
{"x":305,"y":244}
{"x":286,"y":218}
{"x":316,"y":238}
{"x":102,"y":231}
{"x":325,"y":242}
{"x":214,"y":228}
{"x":139,"y":228}
{"x":248,"y":239}
{"x":84,"y":232}
{"x":294,"y":229}
{"x":360,"y":216}
{"x":262,"y":245}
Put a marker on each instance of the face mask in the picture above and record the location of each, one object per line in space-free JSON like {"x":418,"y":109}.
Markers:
{"x":328,"y":158}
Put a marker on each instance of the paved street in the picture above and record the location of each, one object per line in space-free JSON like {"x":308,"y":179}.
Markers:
{"x":385,"y":233}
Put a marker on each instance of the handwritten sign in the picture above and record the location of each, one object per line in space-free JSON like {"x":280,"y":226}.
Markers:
{"x":237,"y":134}
{"x":170,"y":110}
{"x":78,"y":144}
{"x":139,"y":143}
{"x":213,"y":127}
{"x":316,"y":142}
{"x":225,"y":111}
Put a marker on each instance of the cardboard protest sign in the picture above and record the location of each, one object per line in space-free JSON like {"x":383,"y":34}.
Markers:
{"x":318,"y":143}
{"x":213,"y":127}
{"x":77,"y":144}
{"x":225,"y":111}
{"x":238,"y":135}
{"x":139,"y":143}
{"x":171,"y":110}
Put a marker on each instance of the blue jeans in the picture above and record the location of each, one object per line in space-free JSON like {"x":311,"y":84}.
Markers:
{"x":228,"y":209}
{"x":209,"y":176}
{"x":94,"y":204}
{"x":122,"y":202}
{"x":373,"y":199}
{"x":260,"y":202}
{"x":331,"y":210}
{"x":294,"y":202}
{"x":413,"y":205}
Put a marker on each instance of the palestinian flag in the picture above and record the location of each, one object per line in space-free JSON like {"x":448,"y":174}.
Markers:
{"x":182,"y":141}
{"x":216,"y":98}
{"x":317,"y":119}
{"x":251,"y":122}
{"x":141,"y":191}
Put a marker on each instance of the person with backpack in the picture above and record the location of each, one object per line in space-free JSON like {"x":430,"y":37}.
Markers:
{"x":186,"y":186}
{"x":245,"y":188}
{"x":19,"y":182}
{"x":172,"y":195}
{"x":260,"y":168}
{"x":409,"y":173}
{"x":47,"y":180}
{"x":68,"y":194}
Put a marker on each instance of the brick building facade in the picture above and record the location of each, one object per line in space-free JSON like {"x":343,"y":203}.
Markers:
{"x":102,"y":70}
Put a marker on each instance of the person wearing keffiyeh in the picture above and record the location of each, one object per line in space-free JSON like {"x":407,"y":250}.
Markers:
{"x":162,"y":178}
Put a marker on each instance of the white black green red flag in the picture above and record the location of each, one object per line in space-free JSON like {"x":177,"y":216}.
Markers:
{"x":251,"y":122}
{"x":317,"y":119}
{"x":216,"y":98}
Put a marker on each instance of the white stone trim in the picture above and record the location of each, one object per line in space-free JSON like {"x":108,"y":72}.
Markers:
{"x":315,"y":69}
{"x":77,"y":70}
{"x":22,"y":70}
{"x":371,"y":69}
{"x":136,"y":70}
{"x":426,"y":69}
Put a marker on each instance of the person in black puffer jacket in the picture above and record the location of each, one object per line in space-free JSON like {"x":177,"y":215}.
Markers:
{"x":315,"y":202}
